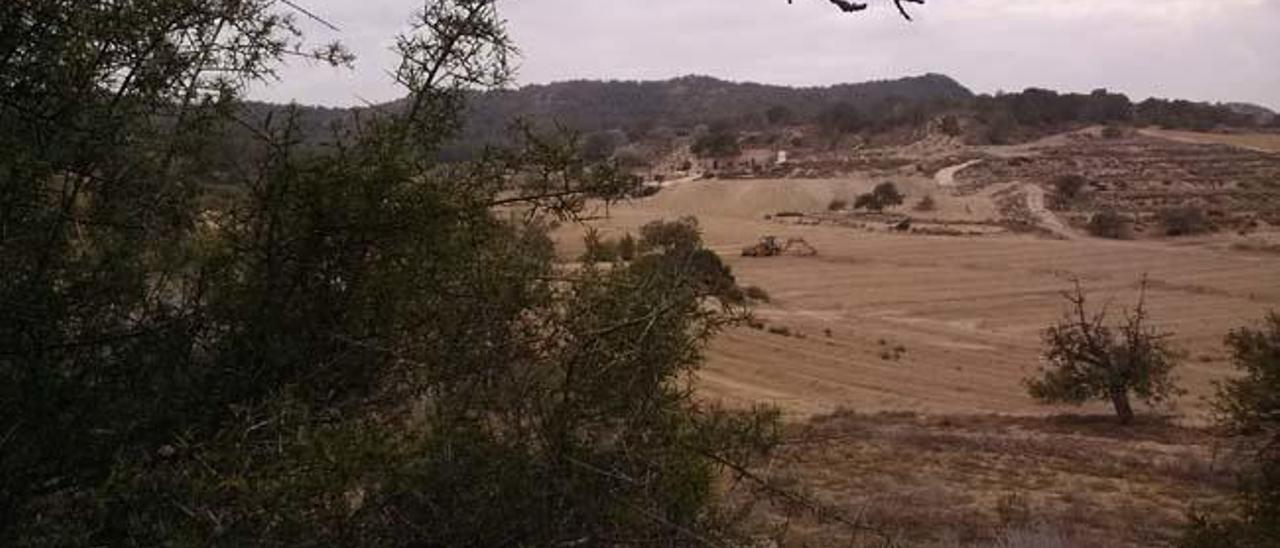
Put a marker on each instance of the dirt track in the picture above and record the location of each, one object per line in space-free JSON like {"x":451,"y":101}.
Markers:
{"x":946,"y":178}
{"x":1045,"y":218}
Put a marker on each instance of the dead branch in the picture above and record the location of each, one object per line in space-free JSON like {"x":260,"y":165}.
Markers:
{"x":849,"y":7}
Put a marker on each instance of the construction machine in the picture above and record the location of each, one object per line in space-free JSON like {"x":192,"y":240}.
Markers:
{"x":771,"y":246}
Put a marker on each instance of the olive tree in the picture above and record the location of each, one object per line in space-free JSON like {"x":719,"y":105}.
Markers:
{"x":1086,"y":359}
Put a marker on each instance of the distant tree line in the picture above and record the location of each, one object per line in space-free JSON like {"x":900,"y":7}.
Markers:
{"x":1009,"y":117}
{"x":612,"y":115}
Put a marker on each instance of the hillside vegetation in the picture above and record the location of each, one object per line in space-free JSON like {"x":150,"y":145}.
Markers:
{"x":652,"y":114}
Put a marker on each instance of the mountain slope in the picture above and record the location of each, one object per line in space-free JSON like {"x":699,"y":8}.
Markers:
{"x":1260,"y":114}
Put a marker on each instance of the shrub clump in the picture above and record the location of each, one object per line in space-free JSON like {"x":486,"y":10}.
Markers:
{"x":884,"y":195}
{"x":1113,"y":132}
{"x":927,"y":204}
{"x":1112,"y":224}
{"x":1184,"y":221}
{"x":756,"y":293}
{"x":598,"y":250}
{"x":627,"y":247}
{"x":717,"y":144}
{"x":1068,"y":189}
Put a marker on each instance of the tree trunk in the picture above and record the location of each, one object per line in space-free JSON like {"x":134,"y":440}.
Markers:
{"x":1120,"y":399}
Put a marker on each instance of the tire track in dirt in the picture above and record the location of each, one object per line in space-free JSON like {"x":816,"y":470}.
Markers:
{"x":946,"y":180}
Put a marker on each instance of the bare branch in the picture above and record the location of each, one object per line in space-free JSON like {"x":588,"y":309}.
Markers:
{"x":311,"y":15}
{"x":849,"y":7}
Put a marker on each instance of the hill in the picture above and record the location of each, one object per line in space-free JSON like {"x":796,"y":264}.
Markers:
{"x":635,"y":107}
{"x":651,"y":115}
{"x":1261,"y":114}
{"x":692,"y":100}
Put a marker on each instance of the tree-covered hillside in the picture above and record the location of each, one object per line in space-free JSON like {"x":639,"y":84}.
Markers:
{"x":693,"y":100}
{"x":611,"y":114}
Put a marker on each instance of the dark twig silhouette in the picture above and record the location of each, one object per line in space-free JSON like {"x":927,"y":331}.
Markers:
{"x":849,"y":7}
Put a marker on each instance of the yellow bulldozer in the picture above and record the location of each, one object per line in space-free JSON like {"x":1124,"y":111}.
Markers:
{"x":771,"y":246}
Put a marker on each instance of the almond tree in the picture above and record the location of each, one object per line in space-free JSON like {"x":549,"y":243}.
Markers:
{"x":1086,"y":359}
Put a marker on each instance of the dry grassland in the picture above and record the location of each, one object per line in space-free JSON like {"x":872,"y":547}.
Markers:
{"x":989,"y":481}
{"x":967,"y":310}
{"x":928,"y":339}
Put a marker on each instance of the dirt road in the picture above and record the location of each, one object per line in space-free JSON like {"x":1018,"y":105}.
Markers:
{"x":1045,"y":218}
{"x":946,"y":178}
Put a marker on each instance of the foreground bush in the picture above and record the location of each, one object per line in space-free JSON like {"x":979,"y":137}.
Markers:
{"x":1248,"y":407}
{"x":597,"y":250}
{"x":351,"y":349}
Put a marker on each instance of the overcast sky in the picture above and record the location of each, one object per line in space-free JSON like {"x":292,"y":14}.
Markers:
{"x":1215,"y":50}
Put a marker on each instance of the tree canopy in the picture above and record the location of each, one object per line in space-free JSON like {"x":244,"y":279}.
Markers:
{"x":340,"y":344}
{"x":1085,"y":359}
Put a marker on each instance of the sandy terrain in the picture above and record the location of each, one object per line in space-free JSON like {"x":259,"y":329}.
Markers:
{"x":966,"y":311}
